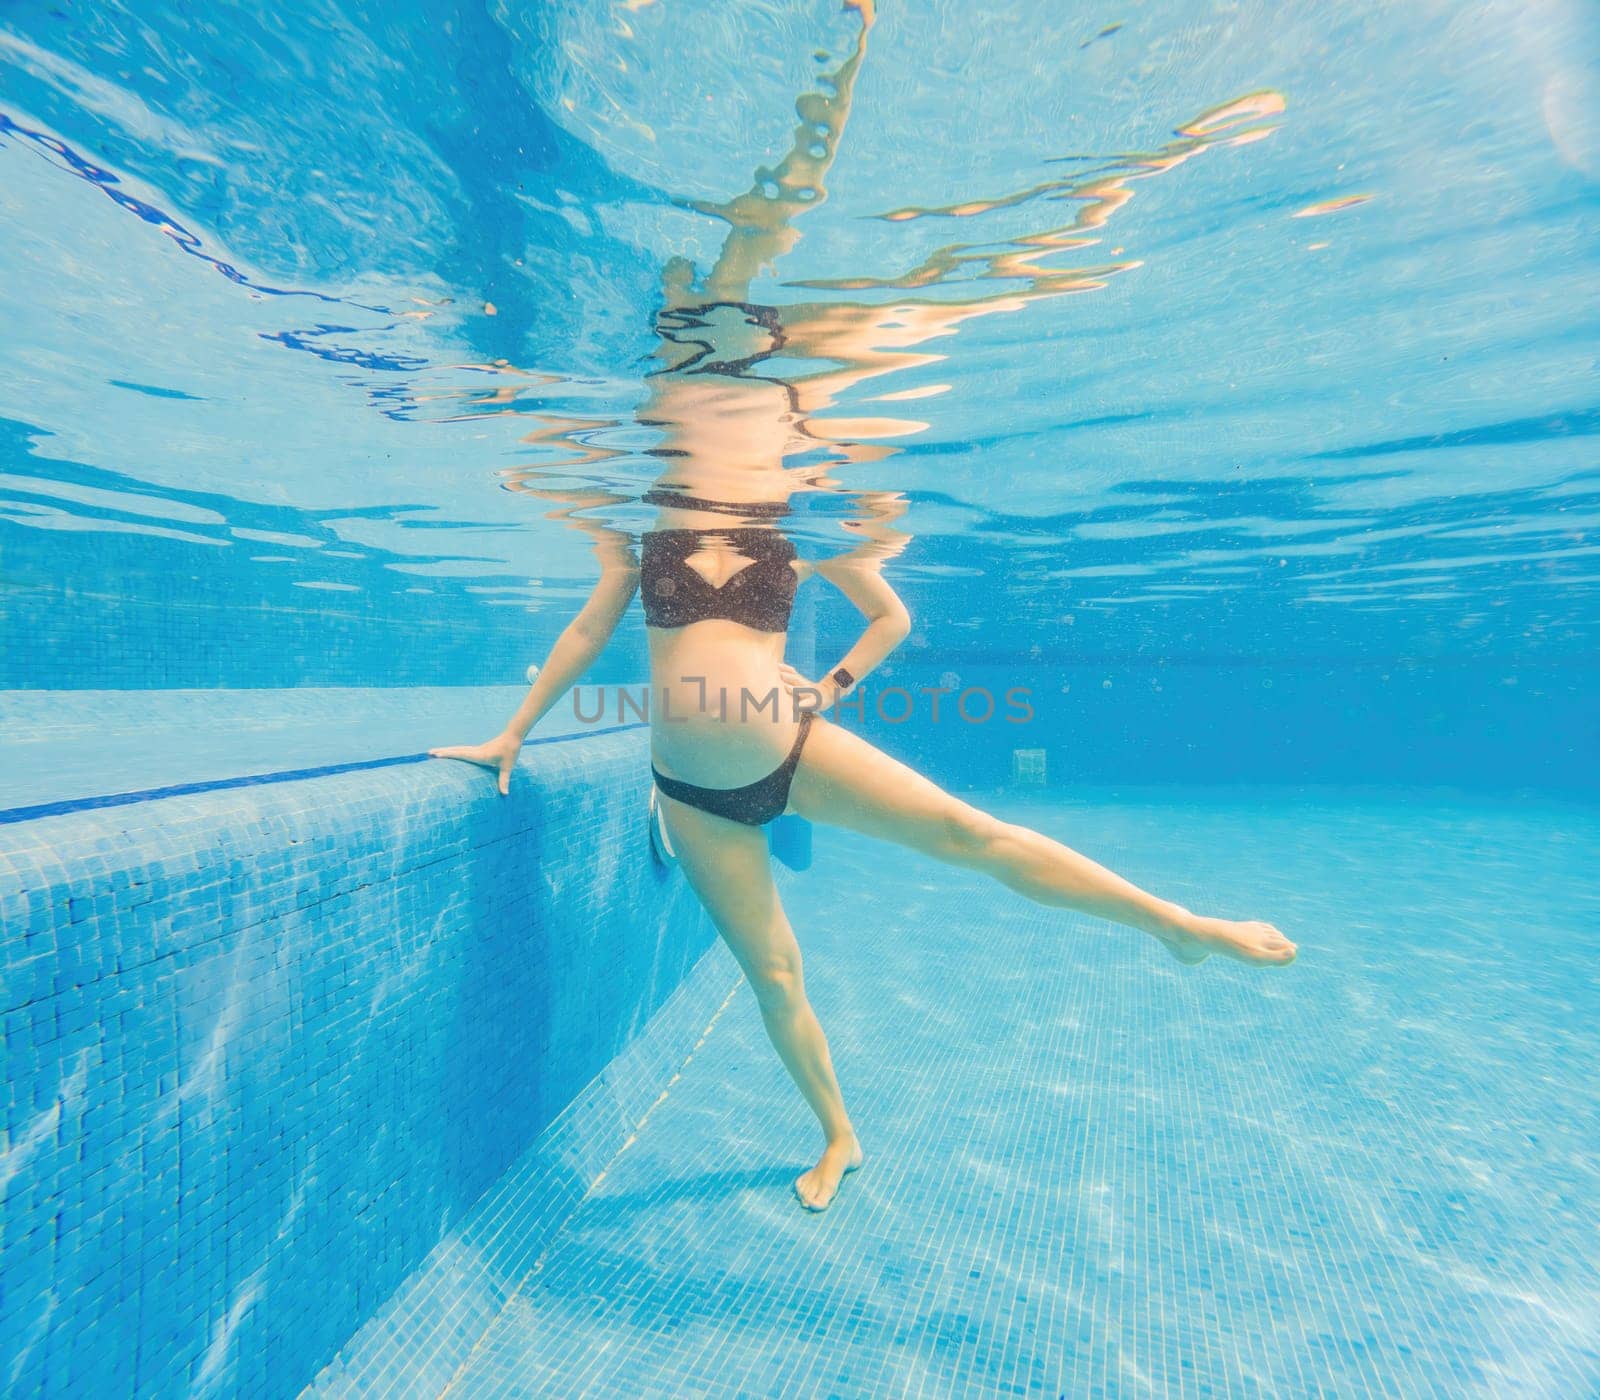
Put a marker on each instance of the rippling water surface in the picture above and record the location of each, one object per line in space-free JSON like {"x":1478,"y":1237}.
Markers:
{"x":1157,"y":330}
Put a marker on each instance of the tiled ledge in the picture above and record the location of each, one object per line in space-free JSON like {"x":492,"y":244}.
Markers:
{"x":72,"y":746}
{"x":267,"y":1046}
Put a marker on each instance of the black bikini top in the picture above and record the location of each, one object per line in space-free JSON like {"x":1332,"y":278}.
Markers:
{"x":760,"y":595}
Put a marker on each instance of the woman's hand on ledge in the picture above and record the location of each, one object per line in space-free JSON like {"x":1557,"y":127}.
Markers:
{"x":499,"y":753}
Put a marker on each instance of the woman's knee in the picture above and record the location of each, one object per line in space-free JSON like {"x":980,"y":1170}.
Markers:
{"x":777,"y":983}
{"x":968,"y":834}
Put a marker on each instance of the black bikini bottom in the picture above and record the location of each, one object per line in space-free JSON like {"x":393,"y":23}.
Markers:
{"x":754,"y":804}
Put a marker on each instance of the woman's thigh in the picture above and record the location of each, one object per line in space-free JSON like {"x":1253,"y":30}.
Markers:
{"x":728,"y":865}
{"x":842,"y":780}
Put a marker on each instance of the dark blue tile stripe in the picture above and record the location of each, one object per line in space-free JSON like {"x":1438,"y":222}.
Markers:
{"x":288,"y":775}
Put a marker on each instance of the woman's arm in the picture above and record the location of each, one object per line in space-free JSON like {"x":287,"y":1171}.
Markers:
{"x":584,"y":638}
{"x":888,"y":624}
{"x":858,"y":574}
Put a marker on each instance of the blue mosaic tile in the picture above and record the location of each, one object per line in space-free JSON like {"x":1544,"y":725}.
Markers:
{"x":1092,"y":1172}
{"x":371,"y":1085}
{"x":265,"y":1048}
{"x":419,"y":1339}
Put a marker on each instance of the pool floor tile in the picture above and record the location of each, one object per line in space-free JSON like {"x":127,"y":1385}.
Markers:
{"x":1092,"y":1171}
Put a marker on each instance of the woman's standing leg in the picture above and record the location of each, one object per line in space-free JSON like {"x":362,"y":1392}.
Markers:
{"x":728,"y":865}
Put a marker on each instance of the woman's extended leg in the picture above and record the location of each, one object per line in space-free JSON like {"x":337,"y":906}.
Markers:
{"x":845,"y":781}
{"x":728,"y":865}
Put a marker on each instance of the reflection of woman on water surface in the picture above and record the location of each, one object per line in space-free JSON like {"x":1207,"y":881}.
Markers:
{"x":717,"y":579}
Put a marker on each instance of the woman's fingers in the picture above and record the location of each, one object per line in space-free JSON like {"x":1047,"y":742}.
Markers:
{"x":485,"y":756}
{"x":471,"y":753}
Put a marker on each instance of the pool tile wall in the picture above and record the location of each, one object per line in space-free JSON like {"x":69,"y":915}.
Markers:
{"x":267,"y":1047}
{"x":425,"y":1336}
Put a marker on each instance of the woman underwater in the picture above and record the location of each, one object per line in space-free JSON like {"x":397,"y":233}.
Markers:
{"x":718,"y":579}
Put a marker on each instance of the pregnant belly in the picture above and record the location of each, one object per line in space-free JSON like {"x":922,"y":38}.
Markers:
{"x":720,"y":715}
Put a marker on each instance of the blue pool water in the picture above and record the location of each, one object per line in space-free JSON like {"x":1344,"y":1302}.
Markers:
{"x":1217,"y":376}
{"x":1093,"y":1173}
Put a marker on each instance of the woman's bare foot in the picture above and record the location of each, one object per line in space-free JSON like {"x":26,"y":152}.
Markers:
{"x":817,"y":1187}
{"x":1194,"y":939}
